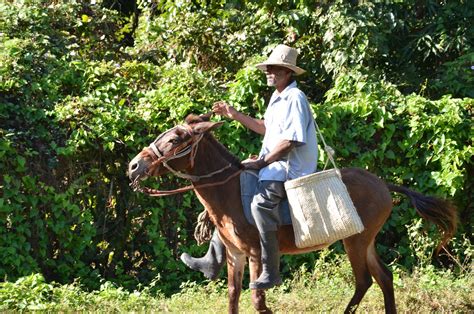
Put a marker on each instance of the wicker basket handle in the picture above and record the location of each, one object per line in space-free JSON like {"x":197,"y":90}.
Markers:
{"x":329,"y":150}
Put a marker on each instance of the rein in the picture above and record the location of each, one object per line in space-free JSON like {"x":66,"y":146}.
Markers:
{"x":153,"y":192}
{"x":187,"y":148}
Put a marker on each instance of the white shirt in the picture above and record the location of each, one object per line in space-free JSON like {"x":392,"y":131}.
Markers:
{"x":289,"y":117}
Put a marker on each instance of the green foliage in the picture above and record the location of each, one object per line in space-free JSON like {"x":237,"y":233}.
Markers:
{"x":32,"y":293}
{"x":218,"y":39}
{"x":456,"y":77}
{"x":27,"y":293}
{"x":326,"y":289}
{"x":386,"y":126}
{"x":352,"y":37}
{"x":76,"y":106}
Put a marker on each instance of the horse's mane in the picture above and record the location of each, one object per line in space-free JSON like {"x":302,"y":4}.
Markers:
{"x":223,"y":150}
{"x":192,"y":118}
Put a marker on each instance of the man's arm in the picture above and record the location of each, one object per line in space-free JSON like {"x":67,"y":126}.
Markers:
{"x":223,"y":109}
{"x":281,"y":150}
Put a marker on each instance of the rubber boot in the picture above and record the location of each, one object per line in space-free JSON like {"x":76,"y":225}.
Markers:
{"x":211,"y":263}
{"x":270,"y":276}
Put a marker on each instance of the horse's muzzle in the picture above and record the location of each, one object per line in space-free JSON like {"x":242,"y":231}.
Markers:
{"x":137,"y":170}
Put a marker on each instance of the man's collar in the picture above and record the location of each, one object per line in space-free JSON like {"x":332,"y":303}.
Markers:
{"x":290,"y":86}
{"x":277,"y":95}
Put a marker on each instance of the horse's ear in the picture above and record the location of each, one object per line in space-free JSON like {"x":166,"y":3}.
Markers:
{"x":192,"y":118}
{"x":206,"y":126}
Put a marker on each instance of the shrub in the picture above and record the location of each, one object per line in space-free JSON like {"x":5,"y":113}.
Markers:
{"x":76,"y":106}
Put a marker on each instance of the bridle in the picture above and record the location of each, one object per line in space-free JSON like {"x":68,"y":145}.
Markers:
{"x":188,"y":147}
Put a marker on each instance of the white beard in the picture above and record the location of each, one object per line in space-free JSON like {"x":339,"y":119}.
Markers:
{"x":271,"y":81}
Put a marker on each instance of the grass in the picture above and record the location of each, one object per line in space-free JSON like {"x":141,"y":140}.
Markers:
{"x":423,"y":291}
{"x":328,"y":289}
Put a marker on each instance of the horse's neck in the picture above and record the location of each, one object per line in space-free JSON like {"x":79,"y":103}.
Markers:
{"x":221,"y":200}
{"x":213,"y":156}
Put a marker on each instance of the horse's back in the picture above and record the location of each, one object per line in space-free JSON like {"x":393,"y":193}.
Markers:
{"x":370,"y":196}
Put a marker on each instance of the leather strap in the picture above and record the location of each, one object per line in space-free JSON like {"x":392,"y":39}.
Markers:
{"x":154,"y":192}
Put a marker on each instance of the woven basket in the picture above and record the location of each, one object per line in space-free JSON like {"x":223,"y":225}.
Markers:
{"x":321,"y":209}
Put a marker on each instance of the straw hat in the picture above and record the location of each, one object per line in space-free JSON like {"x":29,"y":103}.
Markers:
{"x":283,"y":56}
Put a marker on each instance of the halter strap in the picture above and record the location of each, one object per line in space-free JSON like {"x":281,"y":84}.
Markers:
{"x":155,"y":150}
{"x":189,"y":147}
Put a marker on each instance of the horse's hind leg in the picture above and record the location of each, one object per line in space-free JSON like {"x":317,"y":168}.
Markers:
{"x":258,"y":296}
{"x":383,"y":276}
{"x":356,"y":249}
{"x":235,"y":273}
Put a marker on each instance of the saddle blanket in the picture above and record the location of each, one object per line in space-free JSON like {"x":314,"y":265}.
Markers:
{"x":248,"y":184}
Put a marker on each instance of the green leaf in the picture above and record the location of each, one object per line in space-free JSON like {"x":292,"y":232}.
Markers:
{"x":20,"y":163}
{"x":390,"y":154}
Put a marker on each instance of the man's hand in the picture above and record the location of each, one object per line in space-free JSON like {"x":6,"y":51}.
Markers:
{"x":253,"y":163}
{"x":224,"y":109}
{"x":281,"y":150}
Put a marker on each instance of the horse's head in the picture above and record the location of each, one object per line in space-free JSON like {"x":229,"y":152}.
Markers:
{"x":173,"y":150}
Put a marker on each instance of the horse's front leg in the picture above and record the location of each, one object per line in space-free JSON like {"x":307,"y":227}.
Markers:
{"x":235,"y":272}
{"x":258,"y":296}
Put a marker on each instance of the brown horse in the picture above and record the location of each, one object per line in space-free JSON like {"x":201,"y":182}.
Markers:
{"x":190,"y":151}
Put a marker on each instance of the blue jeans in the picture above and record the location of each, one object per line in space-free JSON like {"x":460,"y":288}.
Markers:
{"x":264,"y":206}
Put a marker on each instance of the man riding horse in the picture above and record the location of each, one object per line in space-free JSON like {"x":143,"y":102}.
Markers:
{"x":289,"y":150}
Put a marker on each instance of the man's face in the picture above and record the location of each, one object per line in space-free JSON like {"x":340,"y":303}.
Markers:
{"x":278,"y":76}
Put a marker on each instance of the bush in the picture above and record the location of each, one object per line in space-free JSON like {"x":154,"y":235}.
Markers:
{"x":76,"y":106}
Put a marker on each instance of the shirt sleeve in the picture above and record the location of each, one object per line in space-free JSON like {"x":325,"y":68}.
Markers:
{"x":293,"y":126}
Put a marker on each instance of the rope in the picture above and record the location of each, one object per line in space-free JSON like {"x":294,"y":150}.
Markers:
{"x":204,"y":228}
{"x":329,"y":150}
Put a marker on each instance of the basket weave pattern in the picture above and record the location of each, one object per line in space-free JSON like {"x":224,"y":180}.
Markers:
{"x":321,"y":209}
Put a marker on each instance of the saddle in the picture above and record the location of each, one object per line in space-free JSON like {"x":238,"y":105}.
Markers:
{"x":248,"y":185}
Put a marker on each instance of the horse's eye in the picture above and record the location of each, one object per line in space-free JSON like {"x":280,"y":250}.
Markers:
{"x":174,"y":140}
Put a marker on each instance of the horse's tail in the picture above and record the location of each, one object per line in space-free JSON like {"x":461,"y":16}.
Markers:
{"x":438,"y":211}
